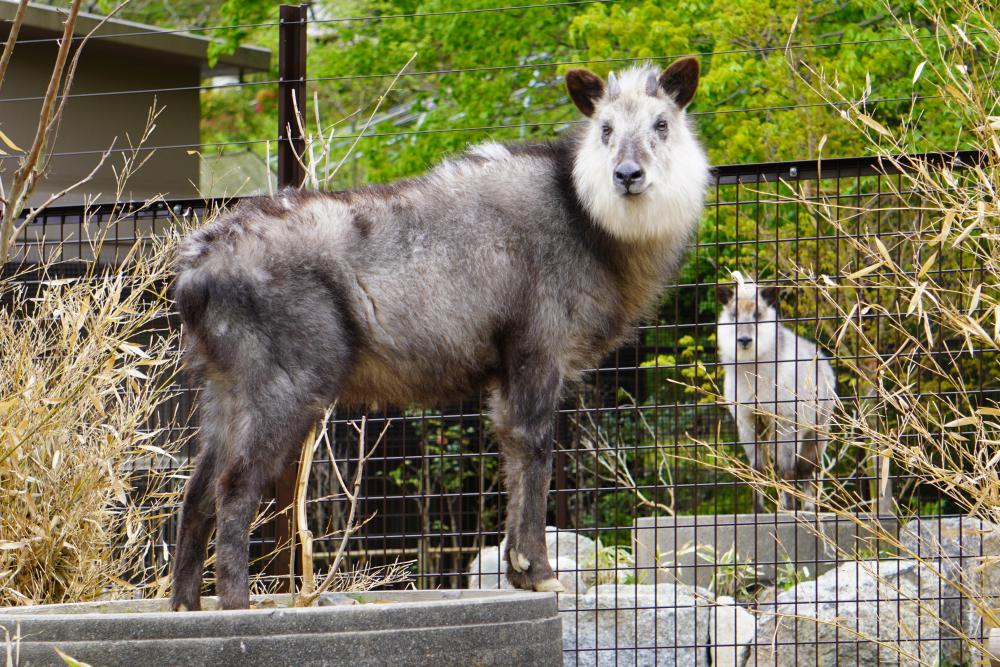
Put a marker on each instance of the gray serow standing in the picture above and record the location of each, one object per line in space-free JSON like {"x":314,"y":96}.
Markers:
{"x":508,"y":268}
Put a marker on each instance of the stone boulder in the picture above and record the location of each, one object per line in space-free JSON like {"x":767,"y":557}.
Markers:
{"x":630,"y":625}
{"x":569,"y":544}
{"x":585,"y":551}
{"x":966,"y":551}
{"x":863,"y":613}
{"x":565,"y":549}
{"x":489,"y":571}
{"x":731,"y":630}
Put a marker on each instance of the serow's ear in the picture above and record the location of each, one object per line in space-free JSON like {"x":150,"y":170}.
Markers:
{"x":770,"y":294}
{"x":680,"y":80}
{"x":585,"y":88}
{"x":723,"y":294}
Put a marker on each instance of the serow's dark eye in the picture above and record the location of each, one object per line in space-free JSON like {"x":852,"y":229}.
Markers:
{"x":605,"y":131}
{"x":661,"y":126}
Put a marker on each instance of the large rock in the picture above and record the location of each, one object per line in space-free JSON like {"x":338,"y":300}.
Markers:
{"x":628,"y":625}
{"x":569,"y":544}
{"x":862,"y":613}
{"x":572,"y":556}
{"x":692,"y":548}
{"x":596,"y":565}
{"x":965,"y":551}
{"x":488,"y":570}
{"x":731,"y":631}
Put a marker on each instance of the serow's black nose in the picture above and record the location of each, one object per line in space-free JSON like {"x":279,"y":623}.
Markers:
{"x":628,"y":173}
{"x":744,"y":341}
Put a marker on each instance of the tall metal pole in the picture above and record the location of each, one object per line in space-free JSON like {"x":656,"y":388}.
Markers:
{"x":291,"y":143}
{"x":291,"y":94}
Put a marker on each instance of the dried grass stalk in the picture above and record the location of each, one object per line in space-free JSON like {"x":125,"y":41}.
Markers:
{"x":85,"y":472}
{"x":354,"y":580}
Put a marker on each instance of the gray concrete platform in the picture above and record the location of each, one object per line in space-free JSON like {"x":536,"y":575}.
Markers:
{"x":414,"y":628}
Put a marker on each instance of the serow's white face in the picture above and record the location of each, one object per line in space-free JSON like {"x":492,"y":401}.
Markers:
{"x":637,"y":144}
{"x":748,"y":322}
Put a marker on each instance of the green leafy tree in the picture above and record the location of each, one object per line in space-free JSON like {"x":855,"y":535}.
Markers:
{"x":497,"y":75}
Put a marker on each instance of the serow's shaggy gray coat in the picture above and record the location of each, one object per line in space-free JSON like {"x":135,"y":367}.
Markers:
{"x":509,"y":269}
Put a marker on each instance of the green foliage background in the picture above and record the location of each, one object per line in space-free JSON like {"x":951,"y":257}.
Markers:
{"x":742,"y":108}
{"x":754,"y":104}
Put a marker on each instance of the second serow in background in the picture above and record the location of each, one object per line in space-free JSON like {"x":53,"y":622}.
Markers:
{"x":779,"y":387}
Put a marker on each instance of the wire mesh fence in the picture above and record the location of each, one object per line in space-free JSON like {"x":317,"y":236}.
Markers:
{"x":653,"y":525}
{"x":645,"y":489}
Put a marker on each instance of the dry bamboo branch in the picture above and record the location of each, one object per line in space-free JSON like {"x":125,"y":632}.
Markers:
{"x":26,"y":175}
{"x":353,"y":493}
{"x":30,"y":170}
{"x":615,"y":468}
{"x":8,"y":48}
{"x":83,"y":397}
{"x":301,"y":519}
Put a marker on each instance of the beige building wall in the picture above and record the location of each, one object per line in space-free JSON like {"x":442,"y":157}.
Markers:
{"x":91,"y":124}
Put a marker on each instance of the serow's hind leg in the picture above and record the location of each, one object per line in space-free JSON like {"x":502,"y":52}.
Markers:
{"x":754,"y":446}
{"x":275,"y":430}
{"x":524,"y":411}
{"x":196,"y":522}
{"x":197,"y":517}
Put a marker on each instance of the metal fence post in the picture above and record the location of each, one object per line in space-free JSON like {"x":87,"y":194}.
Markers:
{"x":291,"y":93}
{"x":291,"y":122}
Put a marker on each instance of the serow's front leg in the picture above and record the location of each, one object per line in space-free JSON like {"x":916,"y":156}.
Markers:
{"x":752,"y":436}
{"x":524,"y":413}
{"x":787,"y":446}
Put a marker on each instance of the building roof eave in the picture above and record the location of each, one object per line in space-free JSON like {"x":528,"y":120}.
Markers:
{"x":130,"y":34}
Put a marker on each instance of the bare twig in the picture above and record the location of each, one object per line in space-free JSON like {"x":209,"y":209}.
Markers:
{"x":8,"y":47}
{"x":301,"y":519}
{"x":36,"y":210}
{"x":35,"y":162}
{"x":56,"y":120}
{"x":308,"y":159}
{"x":26,"y":175}
{"x":378,"y":106}
{"x":352,"y":492}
